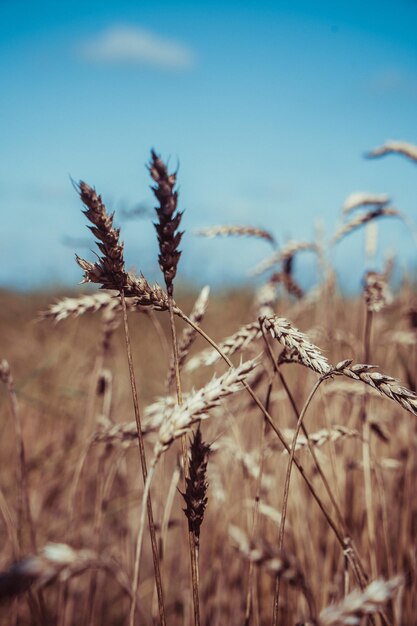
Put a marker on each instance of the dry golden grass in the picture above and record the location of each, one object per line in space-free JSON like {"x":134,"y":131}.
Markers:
{"x":54,"y":367}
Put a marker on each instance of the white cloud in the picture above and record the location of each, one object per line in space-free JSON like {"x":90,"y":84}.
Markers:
{"x":137,"y":46}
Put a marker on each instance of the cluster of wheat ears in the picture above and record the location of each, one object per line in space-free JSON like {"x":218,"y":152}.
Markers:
{"x":294,"y":509}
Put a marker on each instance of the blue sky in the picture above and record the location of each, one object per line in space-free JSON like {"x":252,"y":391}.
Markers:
{"x":268,"y":108}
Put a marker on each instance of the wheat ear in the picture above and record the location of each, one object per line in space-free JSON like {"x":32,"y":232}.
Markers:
{"x":294,"y":340}
{"x":282,"y":256}
{"x":198,"y":403}
{"x":362,"y":219}
{"x":358,"y":604}
{"x":235,"y":231}
{"x":195,"y":494}
{"x":109,"y":270}
{"x":240,"y":340}
{"x":361,"y":199}
{"x":93,"y":303}
{"x":55,"y":562}
{"x":279,"y":564}
{"x":387,"y":385}
{"x":404,"y":148}
{"x":320,"y":437}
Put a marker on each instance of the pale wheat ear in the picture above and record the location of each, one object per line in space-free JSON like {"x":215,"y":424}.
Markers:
{"x":279,"y":564}
{"x":236,"y":231}
{"x":360,"y":199}
{"x":362,"y":219}
{"x":386,"y":385}
{"x":198,"y":403}
{"x":283,"y":256}
{"x":91,"y":303}
{"x":294,"y":340}
{"x":376,"y":291}
{"x":56,"y":562}
{"x":358,"y":604}
{"x":239,"y":341}
{"x":404,"y":148}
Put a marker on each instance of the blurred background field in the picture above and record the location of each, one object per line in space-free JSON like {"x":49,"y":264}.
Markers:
{"x":54,"y":368}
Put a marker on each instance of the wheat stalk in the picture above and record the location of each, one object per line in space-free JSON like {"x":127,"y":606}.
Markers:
{"x":285,"y":255}
{"x":285,"y":278}
{"x":198,"y":403}
{"x":146,"y":295}
{"x":195,"y":494}
{"x":55,"y":562}
{"x":112,"y":259}
{"x":362,"y":219}
{"x":279,"y":564}
{"x":376,"y":291}
{"x":125,"y":433}
{"x":404,"y":148}
{"x":294,"y":340}
{"x":189,"y":334}
{"x":179,"y":423}
{"x":360,"y":199}
{"x":266,"y":557}
{"x":387,"y":385}
{"x":93,"y":303}
{"x":232,"y":231}
{"x":169,"y":237}
{"x":240,"y":340}
{"x":109,"y":270}
{"x":265,"y":299}
{"x":358,"y":604}
{"x":320,"y":437}
{"x":23,"y":498}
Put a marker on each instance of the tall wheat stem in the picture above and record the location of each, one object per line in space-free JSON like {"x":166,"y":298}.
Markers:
{"x":155,"y":556}
{"x":366,"y":452}
{"x":23,"y":499}
{"x":287,"y":491}
{"x":192,"y":544}
{"x":145,"y":499}
{"x":252,"y":570}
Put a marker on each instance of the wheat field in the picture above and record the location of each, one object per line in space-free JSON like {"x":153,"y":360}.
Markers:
{"x":231,"y":457}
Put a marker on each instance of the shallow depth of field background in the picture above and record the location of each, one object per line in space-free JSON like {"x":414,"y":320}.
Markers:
{"x":267,"y":110}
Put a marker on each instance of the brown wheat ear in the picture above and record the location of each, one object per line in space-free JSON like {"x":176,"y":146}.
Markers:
{"x":112,"y":261}
{"x":169,"y":237}
{"x":195,"y":495}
